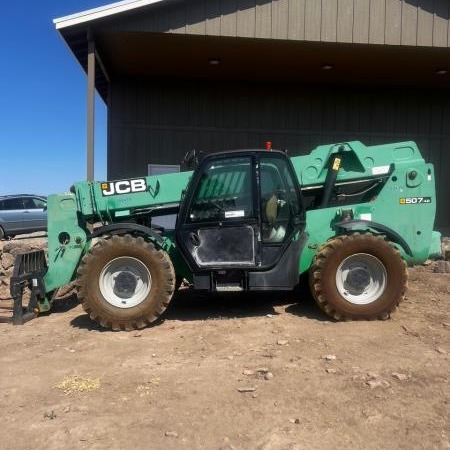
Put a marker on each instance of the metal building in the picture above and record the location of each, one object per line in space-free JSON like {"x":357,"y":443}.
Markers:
{"x":224,"y":74}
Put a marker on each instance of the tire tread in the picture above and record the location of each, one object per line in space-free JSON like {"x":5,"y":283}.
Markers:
{"x":321,"y":259}
{"x":145,"y":316}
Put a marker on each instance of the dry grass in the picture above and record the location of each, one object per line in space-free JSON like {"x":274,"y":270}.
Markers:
{"x":75,"y":383}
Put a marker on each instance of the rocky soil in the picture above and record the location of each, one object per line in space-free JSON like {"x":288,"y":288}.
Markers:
{"x":8,"y":252}
{"x":265,"y":372}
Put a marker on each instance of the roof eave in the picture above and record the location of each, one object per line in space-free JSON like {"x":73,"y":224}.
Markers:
{"x":101,"y":12}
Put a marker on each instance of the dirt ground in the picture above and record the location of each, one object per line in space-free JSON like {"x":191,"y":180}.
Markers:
{"x":266,"y":372}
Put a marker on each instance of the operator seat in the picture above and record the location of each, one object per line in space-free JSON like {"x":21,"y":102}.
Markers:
{"x":271,"y":210}
{"x":273,"y":230}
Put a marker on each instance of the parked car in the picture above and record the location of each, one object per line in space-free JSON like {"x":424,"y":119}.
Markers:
{"x":22,"y":214}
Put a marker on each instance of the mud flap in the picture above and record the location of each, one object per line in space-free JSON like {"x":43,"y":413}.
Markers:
{"x":29,"y":271}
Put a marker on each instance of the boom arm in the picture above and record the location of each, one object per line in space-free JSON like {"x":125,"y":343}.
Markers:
{"x":111,"y":201}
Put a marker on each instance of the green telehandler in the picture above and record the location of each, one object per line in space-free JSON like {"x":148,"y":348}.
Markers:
{"x":350,"y":215}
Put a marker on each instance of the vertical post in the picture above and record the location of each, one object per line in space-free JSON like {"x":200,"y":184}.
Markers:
{"x":90,"y":109}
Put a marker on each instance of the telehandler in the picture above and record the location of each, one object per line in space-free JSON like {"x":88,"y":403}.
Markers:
{"x":352,"y":216}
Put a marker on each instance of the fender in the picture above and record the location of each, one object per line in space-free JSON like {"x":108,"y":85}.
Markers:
{"x":350,"y":225}
{"x":133,"y":228}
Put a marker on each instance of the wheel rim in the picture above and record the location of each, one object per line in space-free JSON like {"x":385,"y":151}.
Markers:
{"x":125,"y":282}
{"x":361,"y":279}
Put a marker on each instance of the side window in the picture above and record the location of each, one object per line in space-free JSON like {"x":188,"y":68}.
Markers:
{"x":28,"y":203}
{"x":33,"y":203}
{"x":167,"y":221}
{"x":224,"y":191}
{"x":13,"y":203}
{"x":279,"y":199}
{"x":40,"y":203}
{"x":293,"y":195}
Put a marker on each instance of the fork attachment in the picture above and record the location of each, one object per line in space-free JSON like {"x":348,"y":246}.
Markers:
{"x":29,"y":271}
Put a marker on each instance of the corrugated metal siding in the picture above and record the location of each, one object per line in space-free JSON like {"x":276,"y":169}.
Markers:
{"x":149,"y":124}
{"x":391,"y":22}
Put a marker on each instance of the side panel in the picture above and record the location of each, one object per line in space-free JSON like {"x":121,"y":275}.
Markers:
{"x":283,"y":275}
{"x":66,"y":241}
{"x":12,"y":220}
{"x":319,"y":20}
{"x":406,"y":203}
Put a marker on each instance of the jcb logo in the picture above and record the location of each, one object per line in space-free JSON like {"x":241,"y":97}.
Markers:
{"x":123,"y":187}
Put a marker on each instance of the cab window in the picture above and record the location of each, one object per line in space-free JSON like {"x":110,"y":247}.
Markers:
{"x":279,"y":199}
{"x":224,"y":192}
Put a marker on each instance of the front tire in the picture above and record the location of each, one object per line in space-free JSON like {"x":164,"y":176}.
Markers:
{"x":358,"y":277}
{"x":125,"y":283}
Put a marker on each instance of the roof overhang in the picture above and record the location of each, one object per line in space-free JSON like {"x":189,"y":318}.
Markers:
{"x":128,"y":55}
{"x":91,"y":15}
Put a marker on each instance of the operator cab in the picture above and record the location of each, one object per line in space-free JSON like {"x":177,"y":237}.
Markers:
{"x":242,"y":217}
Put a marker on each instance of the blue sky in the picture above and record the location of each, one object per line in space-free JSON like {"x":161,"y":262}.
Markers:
{"x":43,"y":101}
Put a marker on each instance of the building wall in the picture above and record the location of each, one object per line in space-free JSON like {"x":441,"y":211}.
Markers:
{"x":157,"y":123}
{"x":391,"y":22}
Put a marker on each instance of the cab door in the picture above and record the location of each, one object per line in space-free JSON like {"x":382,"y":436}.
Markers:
{"x":282,"y":216}
{"x":218,"y":226}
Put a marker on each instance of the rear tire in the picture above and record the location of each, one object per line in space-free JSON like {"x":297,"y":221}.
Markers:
{"x":2,"y":234}
{"x":125,"y":283}
{"x":358,"y":277}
